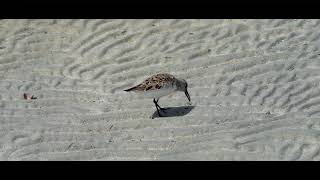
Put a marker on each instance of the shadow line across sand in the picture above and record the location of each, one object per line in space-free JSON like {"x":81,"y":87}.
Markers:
{"x":173,"y":111}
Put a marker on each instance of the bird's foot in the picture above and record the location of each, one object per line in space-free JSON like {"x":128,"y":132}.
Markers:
{"x":159,"y":114}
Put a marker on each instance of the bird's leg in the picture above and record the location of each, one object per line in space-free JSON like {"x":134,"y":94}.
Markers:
{"x":155,"y":102}
{"x":162,"y":109}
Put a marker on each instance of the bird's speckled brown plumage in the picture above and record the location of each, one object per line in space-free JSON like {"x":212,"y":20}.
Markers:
{"x":154,"y":82}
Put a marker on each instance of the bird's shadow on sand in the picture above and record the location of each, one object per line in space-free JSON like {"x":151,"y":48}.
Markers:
{"x":173,"y":111}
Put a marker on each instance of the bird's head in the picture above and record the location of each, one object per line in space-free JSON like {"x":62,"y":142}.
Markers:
{"x":182,"y":85}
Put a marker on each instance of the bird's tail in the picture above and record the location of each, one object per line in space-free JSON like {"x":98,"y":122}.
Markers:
{"x":130,"y":89}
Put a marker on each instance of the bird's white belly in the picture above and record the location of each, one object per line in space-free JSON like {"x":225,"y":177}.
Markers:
{"x":158,"y":93}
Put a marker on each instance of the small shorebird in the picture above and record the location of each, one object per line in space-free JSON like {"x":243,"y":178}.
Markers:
{"x":160,"y":85}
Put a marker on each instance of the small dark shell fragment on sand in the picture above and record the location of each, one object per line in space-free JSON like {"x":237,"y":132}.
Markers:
{"x":27,"y":97}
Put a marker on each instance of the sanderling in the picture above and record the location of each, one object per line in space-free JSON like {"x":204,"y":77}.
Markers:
{"x":160,"y":85}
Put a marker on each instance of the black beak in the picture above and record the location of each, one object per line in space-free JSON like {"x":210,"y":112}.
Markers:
{"x":187,"y":94}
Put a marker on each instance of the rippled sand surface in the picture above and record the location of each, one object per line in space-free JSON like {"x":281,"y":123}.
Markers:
{"x":254,"y":86}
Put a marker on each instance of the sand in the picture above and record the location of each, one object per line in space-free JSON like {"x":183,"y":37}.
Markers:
{"x":254,"y":86}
